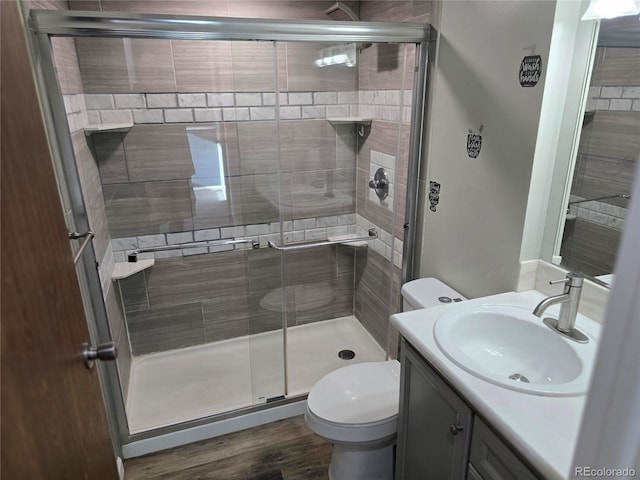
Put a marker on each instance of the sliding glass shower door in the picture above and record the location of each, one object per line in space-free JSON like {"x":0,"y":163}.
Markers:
{"x":242,"y":251}
{"x":181,"y":170}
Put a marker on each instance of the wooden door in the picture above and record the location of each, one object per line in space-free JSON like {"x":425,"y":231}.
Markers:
{"x":53,"y":419}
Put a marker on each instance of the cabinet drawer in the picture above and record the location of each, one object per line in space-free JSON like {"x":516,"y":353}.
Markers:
{"x":491,"y":459}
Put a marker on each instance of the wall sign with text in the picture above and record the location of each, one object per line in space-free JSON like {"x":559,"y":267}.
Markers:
{"x":530,"y":70}
{"x":474,"y":142}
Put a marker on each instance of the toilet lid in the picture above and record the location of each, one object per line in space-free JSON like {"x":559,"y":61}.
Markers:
{"x":358,"y":394}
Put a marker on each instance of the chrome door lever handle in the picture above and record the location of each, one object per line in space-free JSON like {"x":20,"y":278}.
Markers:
{"x":106,"y":352}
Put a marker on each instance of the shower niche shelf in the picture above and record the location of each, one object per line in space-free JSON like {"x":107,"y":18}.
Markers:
{"x":107,"y":128}
{"x":126,"y":269}
{"x":345,"y":120}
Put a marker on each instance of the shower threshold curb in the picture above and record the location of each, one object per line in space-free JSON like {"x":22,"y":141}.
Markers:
{"x":214,"y":429}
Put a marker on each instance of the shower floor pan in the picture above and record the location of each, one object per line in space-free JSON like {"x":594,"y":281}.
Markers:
{"x":180,"y":385}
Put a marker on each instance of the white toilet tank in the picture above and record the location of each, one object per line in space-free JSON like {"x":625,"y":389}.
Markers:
{"x":427,"y":292}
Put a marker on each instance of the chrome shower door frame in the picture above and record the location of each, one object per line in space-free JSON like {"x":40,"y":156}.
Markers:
{"x":45,"y":24}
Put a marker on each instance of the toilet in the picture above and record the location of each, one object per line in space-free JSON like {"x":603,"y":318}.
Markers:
{"x":356,"y":407}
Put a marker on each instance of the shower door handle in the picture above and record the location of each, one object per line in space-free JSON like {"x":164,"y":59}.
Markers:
{"x":107,"y":352}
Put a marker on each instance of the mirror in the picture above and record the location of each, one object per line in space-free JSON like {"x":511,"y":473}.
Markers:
{"x":607,"y":155}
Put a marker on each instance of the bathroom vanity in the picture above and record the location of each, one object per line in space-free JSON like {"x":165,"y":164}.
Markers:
{"x":458,"y":421}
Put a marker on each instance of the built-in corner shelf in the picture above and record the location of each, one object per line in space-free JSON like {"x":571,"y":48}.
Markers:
{"x":346,"y":120}
{"x":588,"y":117}
{"x":107,"y":127}
{"x":126,"y":269}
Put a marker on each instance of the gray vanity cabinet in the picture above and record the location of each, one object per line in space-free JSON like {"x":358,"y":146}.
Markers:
{"x":439,"y":435}
{"x":491,"y":459}
{"x":434,"y":430}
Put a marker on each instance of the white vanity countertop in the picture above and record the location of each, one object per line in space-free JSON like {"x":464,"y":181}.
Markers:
{"x":544,"y":430}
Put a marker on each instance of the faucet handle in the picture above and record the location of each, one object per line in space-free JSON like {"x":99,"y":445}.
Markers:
{"x":572,"y":280}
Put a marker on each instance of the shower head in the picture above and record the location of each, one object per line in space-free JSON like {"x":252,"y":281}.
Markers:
{"x":342,"y":11}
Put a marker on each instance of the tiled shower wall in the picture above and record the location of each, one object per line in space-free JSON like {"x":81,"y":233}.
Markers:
{"x":184,"y":83}
{"x":607,"y":158}
{"x":149,"y":183}
{"x":384,"y":71}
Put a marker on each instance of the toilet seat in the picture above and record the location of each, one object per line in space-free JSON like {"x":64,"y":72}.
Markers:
{"x":357,"y":403}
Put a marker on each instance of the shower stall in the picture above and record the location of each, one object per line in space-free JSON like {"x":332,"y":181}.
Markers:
{"x":223,"y":167}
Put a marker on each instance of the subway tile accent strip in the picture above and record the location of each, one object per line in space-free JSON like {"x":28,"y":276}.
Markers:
{"x":604,"y":214}
{"x":617,"y":99}
{"x":389,"y":105}
{"x":308,"y":229}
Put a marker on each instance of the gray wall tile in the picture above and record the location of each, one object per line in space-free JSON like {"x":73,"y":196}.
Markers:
{"x":383,"y":67}
{"x":182,"y":237}
{"x":149,"y":207}
{"x":124,"y":362}
{"x":600,"y":176}
{"x":254,"y":69}
{"x":195,"y":278}
{"x":130,"y":100}
{"x":114,"y":65}
{"x":303,"y":76}
{"x":148,"y":116}
{"x":375,"y":299}
{"x":111,"y":158}
{"x":396,"y":11}
{"x":320,"y":301}
{"x":99,"y":101}
{"x":87,"y":5}
{"x":158,"y":152}
{"x":203,"y":66}
{"x":162,"y":100}
{"x":307,"y":145}
{"x":616,"y":66}
{"x":92,"y":193}
{"x":178,"y":115}
{"x":257,"y":147}
{"x":115,"y":313}
{"x":166,"y":328}
{"x":188,"y":100}
{"x":612,"y":134}
{"x":226,"y":316}
{"x":309,"y":9}
{"x":211,"y":210}
{"x":133,"y":292}
{"x":66,"y":60}
{"x":260,"y":197}
{"x":323,"y":193}
{"x":589,"y":248}
{"x":183,"y":7}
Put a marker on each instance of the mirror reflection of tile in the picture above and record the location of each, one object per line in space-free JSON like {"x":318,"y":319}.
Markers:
{"x":608,"y":154}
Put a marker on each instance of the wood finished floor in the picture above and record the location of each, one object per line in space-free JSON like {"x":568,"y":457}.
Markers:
{"x":283,"y":450}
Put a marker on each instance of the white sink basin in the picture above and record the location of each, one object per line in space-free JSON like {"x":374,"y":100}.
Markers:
{"x":510,"y":347}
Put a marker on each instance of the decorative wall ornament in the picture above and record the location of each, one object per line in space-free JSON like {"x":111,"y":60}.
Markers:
{"x":474,"y":142}
{"x":530,"y":69}
{"x":434,"y":195}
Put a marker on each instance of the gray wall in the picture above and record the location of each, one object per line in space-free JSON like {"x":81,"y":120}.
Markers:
{"x":473,"y":240}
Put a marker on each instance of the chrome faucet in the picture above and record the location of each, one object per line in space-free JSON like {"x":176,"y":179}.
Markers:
{"x":568,"y":300}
